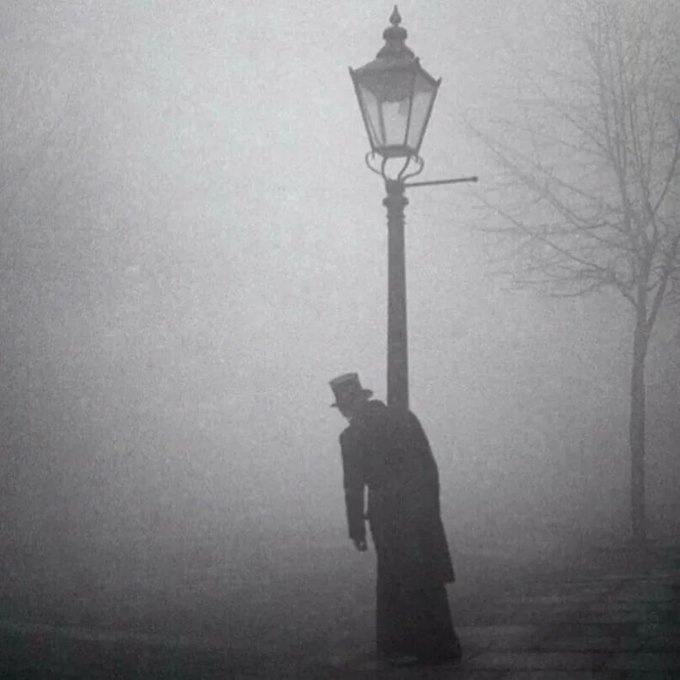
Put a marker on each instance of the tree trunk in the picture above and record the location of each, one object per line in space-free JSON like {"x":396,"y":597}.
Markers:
{"x":637,"y":432}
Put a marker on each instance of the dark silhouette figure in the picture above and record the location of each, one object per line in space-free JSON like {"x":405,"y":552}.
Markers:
{"x":385,"y":450}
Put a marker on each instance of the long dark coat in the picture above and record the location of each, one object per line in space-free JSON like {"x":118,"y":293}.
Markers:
{"x":386,"y":451}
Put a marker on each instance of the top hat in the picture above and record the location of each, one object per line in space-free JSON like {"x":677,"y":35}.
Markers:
{"x":347,"y":388}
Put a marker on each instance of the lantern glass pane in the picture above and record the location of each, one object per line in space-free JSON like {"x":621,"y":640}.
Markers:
{"x":423,"y":97}
{"x":372,"y":114}
{"x":391,"y":85}
{"x":395,"y":120}
{"x":385,"y":96}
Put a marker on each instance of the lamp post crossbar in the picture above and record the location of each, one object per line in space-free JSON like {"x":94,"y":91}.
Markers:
{"x":441,"y":181}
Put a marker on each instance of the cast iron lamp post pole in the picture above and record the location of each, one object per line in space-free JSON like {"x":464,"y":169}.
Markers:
{"x":397,"y":334}
{"x":396,"y":96}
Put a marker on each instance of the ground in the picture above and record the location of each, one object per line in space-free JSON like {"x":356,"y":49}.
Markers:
{"x":523,"y":610}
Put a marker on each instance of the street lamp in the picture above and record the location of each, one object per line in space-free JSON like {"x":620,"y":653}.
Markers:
{"x":396,"y":95}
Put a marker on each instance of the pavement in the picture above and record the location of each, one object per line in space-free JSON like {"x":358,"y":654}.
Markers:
{"x":615,"y":616}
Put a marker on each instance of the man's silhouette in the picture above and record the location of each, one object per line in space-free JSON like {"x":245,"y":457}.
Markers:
{"x":386,"y":451}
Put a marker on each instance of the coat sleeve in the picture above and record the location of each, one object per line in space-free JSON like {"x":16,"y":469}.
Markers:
{"x":353,"y":482}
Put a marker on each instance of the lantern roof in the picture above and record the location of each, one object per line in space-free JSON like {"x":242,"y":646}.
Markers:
{"x":395,"y":39}
{"x":394,"y":54}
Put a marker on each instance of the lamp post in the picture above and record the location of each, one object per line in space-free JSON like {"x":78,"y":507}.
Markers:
{"x":396,"y":96}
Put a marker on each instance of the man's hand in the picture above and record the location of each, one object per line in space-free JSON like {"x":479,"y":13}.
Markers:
{"x":360,"y":544}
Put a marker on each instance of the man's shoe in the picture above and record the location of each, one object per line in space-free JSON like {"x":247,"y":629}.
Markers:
{"x":402,"y":661}
{"x":451,"y":656}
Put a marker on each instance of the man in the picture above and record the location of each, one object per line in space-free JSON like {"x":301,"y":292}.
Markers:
{"x":386,"y":451}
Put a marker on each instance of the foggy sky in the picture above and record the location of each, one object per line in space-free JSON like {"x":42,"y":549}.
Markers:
{"x":196,"y":248}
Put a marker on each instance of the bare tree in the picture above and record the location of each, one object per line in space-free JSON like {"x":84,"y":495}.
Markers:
{"x":591,"y":196}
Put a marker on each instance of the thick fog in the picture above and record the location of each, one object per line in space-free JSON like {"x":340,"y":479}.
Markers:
{"x":192,"y":247}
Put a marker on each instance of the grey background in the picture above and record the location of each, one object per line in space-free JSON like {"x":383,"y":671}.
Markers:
{"x":192,"y":247}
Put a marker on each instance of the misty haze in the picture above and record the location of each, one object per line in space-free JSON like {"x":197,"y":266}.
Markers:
{"x":192,"y":247}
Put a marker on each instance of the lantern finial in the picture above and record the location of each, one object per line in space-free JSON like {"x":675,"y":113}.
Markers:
{"x":395,"y":19}
{"x":395,"y":39}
